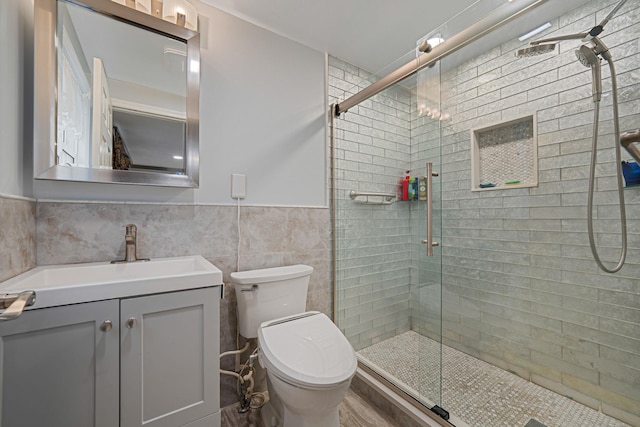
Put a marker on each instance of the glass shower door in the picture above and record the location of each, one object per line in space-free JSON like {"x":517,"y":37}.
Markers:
{"x":426,"y":220}
{"x":426,"y":311}
{"x":388,"y":301}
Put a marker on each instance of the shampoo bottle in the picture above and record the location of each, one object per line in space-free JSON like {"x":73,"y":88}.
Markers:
{"x":411,"y":192}
{"x":405,"y":187}
{"x":422,"y":188}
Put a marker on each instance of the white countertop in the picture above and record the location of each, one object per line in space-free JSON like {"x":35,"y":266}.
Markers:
{"x":56,"y":285}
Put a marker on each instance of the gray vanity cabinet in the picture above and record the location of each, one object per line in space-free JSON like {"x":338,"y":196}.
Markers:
{"x":149,"y":360}
{"x":169,"y":359}
{"x":59,"y":368}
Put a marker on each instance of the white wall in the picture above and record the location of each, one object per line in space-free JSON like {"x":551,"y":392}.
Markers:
{"x":15,"y":74}
{"x":262,"y":113}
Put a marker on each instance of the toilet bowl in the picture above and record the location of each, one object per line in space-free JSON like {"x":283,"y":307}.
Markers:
{"x":309,"y":365}
{"x":309,"y":362}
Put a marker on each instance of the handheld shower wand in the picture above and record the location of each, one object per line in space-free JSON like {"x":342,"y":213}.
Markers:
{"x":589,"y":56}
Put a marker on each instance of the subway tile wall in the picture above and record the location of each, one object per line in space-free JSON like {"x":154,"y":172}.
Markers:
{"x":70,"y":232}
{"x":17,"y":236}
{"x":373,"y":256}
{"x":520,"y":287}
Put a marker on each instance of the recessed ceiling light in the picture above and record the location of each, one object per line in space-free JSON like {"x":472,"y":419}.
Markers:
{"x":532,"y":33}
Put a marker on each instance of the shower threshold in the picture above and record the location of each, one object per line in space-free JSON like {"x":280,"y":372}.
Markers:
{"x":477,"y":392}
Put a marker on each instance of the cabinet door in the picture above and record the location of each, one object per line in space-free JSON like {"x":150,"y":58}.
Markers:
{"x":169,"y":358}
{"x":59,"y":369}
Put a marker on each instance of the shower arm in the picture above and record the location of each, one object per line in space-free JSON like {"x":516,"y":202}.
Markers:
{"x":579,"y":36}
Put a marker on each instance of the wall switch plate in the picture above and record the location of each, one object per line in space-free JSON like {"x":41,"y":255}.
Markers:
{"x":238,"y":186}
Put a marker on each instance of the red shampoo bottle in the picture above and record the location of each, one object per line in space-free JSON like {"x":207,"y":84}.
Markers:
{"x":405,"y":187}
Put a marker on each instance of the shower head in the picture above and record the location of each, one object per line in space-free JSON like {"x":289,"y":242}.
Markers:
{"x":589,"y":58}
{"x":535,"y":50}
{"x":538,"y":47}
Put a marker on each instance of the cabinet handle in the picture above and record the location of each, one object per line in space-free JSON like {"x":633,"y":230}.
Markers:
{"x":131,"y":322}
{"x":106,"y":326}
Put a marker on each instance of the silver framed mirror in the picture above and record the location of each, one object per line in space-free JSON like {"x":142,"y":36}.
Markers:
{"x":116,"y":95}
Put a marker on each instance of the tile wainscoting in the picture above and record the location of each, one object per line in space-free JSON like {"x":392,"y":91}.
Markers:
{"x":17,"y":236}
{"x":73,"y":232}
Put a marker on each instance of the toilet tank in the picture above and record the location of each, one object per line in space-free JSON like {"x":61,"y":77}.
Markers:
{"x":268,"y":294}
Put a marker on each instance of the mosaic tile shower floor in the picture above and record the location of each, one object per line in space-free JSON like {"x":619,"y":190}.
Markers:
{"x":478,"y":393}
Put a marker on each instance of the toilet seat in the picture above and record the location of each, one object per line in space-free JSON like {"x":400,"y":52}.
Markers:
{"x":306,"y":350}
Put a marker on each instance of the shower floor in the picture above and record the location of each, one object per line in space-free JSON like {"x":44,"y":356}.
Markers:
{"x":475,"y":391}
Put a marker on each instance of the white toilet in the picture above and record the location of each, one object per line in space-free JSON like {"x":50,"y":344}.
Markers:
{"x":309,"y":362}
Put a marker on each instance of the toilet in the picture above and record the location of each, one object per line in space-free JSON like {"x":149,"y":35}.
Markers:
{"x":309,"y":362}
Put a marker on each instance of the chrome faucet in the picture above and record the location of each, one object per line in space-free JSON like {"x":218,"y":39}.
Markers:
{"x":130,"y":240}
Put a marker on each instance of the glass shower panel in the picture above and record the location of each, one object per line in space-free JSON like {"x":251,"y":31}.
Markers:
{"x":426,"y":278}
{"x":529,"y":322}
{"x":379,"y":286}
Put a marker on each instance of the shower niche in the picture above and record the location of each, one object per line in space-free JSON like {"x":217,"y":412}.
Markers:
{"x":505,"y":155}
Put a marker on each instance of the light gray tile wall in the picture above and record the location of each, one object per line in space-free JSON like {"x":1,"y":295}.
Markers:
{"x":373,"y":253}
{"x":17,"y":236}
{"x":271,"y":236}
{"x":521,"y":289}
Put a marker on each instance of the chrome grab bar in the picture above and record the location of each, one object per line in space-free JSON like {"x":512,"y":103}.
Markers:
{"x":429,"y":240}
{"x":385,"y":198}
{"x":15,"y":304}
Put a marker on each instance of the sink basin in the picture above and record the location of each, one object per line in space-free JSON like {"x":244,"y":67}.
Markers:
{"x":76,"y":283}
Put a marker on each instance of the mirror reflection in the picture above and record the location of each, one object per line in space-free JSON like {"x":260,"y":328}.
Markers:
{"x":122,"y":93}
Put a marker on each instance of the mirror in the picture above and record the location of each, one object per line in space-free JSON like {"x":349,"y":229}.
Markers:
{"x":124,"y":86}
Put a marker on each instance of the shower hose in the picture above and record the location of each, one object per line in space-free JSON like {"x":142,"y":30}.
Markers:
{"x":592,"y":173}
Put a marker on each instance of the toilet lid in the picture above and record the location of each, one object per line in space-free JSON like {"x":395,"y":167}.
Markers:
{"x":307,"y":350}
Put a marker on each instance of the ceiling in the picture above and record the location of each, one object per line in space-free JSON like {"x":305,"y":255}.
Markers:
{"x":377,"y":35}
{"x":367,"y":33}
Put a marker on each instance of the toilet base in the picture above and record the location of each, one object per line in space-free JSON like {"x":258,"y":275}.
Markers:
{"x":303,"y":407}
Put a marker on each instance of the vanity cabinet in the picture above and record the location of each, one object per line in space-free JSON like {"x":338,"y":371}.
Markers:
{"x":59,"y":369}
{"x":149,"y":360}
{"x":169,"y":358}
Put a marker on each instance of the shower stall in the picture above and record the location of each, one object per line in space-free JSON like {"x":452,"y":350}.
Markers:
{"x":510,"y":321}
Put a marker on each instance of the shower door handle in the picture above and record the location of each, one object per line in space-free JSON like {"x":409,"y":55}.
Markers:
{"x":429,"y":240}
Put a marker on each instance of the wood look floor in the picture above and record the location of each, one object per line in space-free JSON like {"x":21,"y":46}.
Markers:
{"x":355,"y":411}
